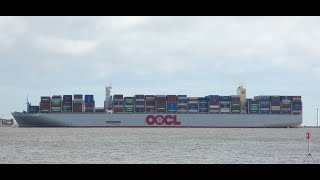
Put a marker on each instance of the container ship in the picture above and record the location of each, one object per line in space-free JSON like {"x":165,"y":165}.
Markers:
{"x":179,"y":111}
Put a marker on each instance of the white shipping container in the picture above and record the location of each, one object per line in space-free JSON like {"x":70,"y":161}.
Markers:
{"x":214,"y":106}
{"x":224,"y":110}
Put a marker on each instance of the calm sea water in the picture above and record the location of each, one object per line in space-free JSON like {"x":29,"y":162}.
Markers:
{"x":157,"y":145}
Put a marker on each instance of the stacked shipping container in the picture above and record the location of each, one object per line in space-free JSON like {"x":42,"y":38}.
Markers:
{"x":78,"y":103}
{"x":128,"y":104}
{"x":254,"y":106}
{"x":150,"y":103}
{"x":67,"y":103}
{"x":172,"y":103}
{"x":214,"y":103}
{"x":296,"y":105}
{"x":140,"y":103}
{"x":203,"y":104}
{"x":161,"y":101}
{"x":275,"y":104}
{"x":182,"y":103}
{"x":264,"y":104}
{"x":225,"y":104}
{"x":285,"y":104}
{"x":235,"y":104}
{"x":193,"y":104}
{"x":89,"y":105}
{"x":56,"y":103}
{"x":118,"y":103}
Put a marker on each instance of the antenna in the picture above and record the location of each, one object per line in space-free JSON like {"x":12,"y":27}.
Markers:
{"x":317,"y":117}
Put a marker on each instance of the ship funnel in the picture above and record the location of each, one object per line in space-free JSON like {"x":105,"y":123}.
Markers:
{"x":243,"y":96}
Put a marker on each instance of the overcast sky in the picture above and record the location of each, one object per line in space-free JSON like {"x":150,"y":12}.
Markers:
{"x":196,"y":56}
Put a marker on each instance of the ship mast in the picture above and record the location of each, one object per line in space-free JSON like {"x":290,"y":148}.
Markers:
{"x":28,"y":104}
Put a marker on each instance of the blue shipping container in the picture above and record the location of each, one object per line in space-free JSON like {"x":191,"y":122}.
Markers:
{"x":214,"y":96}
{"x":225,"y":98}
{"x":139,"y":103}
{"x":235,"y":100}
{"x":118,"y":102}
{"x":202,"y":99}
{"x":286,"y":111}
{"x":88,"y":96}
{"x":67,"y":96}
{"x":296,"y":103}
{"x":139,"y":96}
{"x":203,"y":103}
{"x":285,"y":98}
{"x":203,"y":110}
